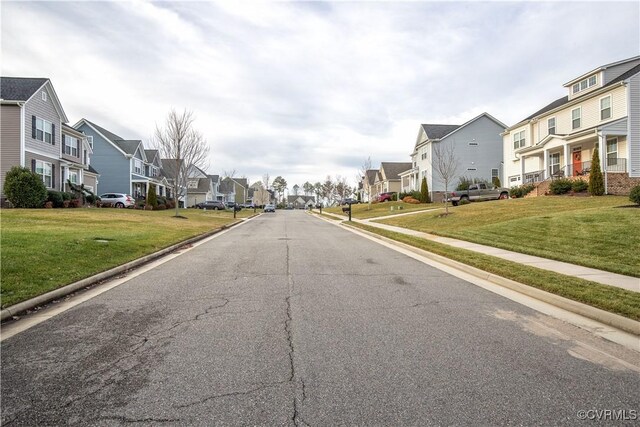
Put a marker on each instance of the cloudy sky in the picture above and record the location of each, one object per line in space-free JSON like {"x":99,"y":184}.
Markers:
{"x":309,"y":89}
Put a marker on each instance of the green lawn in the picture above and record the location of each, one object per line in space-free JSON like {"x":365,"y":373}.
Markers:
{"x":609,"y":298}
{"x":44,"y":249}
{"x":364,"y":211}
{"x":591,"y":231}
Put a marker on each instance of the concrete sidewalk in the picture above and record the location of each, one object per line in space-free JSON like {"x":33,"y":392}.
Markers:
{"x":599,"y":276}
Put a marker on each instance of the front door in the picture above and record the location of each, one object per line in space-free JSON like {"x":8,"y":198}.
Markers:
{"x":577,"y":163}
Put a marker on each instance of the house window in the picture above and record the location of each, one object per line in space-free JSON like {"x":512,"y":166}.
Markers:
{"x":73,"y":177}
{"x":44,"y":130}
{"x":71,"y":146}
{"x":584,"y":84}
{"x":612,"y":151}
{"x":575,"y":118}
{"x":592,"y":81}
{"x":518,"y":140}
{"x":554,"y":163}
{"x":495,"y":173}
{"x":551,"y":125}
{"x":137,"y":167}
{"x":44,"y":95}
{"x":90,"y":141}
{"x":192,"y":184}
{"x":44,"y":170}
{"x":605,"y":108}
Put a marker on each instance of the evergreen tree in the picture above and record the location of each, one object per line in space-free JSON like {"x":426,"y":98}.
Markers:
{"x":24,"y":189}
{"x":424,"y":191}
{"x":496,"y":182}
{"x":596,"y":181}
{"x":152,"y":197}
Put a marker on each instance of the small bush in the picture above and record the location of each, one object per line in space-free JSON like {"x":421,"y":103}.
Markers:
{"x":579,"y":186}
{"x":148,"y":207}
{"x":634,"y":196}
{"x":48,"y":205}
{"x":161,"y":207}
{"x":24,"y":189}
{"x":496,"y":182}
{"x":66,"y":196}
{"x":55,"y":197}
{"x":152,"y":197}
{"x":596,"y":180}
{"x":521,"y":190}
{"x":76,"y":203}
{"x":560,"y":186}
{"x":464,"y":201}
{"x":91,"y":199}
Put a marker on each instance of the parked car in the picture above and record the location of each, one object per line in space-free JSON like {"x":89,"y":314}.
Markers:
{"x":211,"y":204}
{"x":269,"y":208}
{"x":231,"y":204}
{"x":118,"y":200}
{"x":478,"y":193}
{"x":387,"y":197}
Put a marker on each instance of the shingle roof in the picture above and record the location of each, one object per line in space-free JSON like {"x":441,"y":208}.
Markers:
{"x":112,"y":136}
{"x":19,"y":88}
{"x":169,"y":168}
{"x":128,"y":146}
{"x":214,"y":178}
{"x":226,"y":186}
{"x":438,"y":131}
{"x":92,"y":170}
{"x":393,"y":169}
{"x":371,"y":176}
{"x":203,"y":186}
{"x":242,"y":181}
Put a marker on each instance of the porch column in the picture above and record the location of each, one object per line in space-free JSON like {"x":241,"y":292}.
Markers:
{"x":602,"y":141}
{"x":566,"y":159}
{"x":545,"y":164}
{"x":521,"y":169}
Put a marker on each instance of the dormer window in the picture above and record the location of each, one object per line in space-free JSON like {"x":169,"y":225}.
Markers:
{"x":585,"y":84}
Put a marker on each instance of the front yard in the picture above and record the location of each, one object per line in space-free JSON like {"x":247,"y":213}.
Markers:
{"x":44,"y":249}
{"x":364,"y":211}
{"x":596,"y":232}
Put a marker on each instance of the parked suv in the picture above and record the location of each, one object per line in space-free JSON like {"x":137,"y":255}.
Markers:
{"x":386,"y":197}
{"x":211,"y":204}
{"x":118,"y":200}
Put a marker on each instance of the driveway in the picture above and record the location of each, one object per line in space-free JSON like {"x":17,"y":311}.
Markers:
{"x":289,"y":320}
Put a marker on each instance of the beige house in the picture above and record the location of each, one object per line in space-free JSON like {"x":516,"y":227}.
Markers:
{"x":367,"y":185}
{"x":388,"y":177}
{"x":601,"y":108}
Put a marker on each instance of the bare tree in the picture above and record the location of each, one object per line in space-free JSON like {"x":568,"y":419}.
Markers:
{"x":265,"y":180}
{"x":362,"y":177}
{"x":317,"y":190}
{"x":328,"y":190}
{"x":183,"y":146}
{"x":445,"y":164}
{"x":342,"y":188}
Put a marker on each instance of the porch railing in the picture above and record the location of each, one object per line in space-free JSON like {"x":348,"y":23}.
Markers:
{"x":616,"y":165}
{"x":584,"y":168}
{"x":536,"y":176}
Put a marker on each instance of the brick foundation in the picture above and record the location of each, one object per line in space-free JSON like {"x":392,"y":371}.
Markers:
{"x":618,"y":184}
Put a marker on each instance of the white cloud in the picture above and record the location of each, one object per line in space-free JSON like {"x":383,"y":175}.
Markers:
{"x":307,"y":89}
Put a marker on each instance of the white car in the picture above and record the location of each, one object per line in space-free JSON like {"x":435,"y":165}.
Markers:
{"x":118,"y":200}
{"x":269,"y":208}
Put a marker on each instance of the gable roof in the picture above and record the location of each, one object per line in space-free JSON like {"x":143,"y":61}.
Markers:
{"x":204,"y":185}
{"x":128,"y":146}
{"x":169,"y":168}
{"x":19,"y":88}
{"x":438,"y":131}
{"x":214,"y":178}
{"x":392,"y":169}
{"x":371,"y":176}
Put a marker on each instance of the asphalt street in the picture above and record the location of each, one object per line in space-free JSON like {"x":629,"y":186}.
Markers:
{"x":290,"y":320}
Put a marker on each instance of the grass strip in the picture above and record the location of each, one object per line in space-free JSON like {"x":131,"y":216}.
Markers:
{"x":615,"y":300}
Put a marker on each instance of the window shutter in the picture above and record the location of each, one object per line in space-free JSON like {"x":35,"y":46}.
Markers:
{"x":53,"y":176}
{"x":33,"y":127}
{"x":33,"y":165}
{"x":53,"y":134}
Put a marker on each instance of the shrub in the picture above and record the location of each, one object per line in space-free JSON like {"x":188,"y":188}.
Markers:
{"x":24,"y":189}
{"x":496,"y":182}
{"x":424,"y":191}
{"x":634,"y":196}
{"x":560,"y":186}
{"x":48,"y":205}
{"x":152,"y":197}
{"x":464,"y":201}
{"x":148,"y":207}
{"x":55,"y":197}
{"x":412,"y":201}
{"x":579,"y":186}
{"x":161,"y":207}
{"x":76,"y":203}
{"x":464,"y":183}
{"x":521,"y":190}
{"x":66,"y":203}
{"x":91,"y":199}
{"x":66,"y":196}
{"x":596,"y":181}
{"x":170,"y":204}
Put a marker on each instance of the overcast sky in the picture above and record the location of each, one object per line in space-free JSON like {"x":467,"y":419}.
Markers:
{"x":309,"y":89}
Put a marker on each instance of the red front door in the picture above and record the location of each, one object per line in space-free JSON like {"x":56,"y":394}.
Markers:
{"x":577,"y":163}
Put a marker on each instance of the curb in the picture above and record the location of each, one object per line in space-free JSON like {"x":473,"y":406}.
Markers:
{"x":29,"y":304}
{"x":593,"y":313}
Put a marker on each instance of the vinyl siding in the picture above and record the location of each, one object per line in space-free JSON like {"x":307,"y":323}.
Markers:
{"x":111,"y":163}
{"x":9,"y":140}
{"x":613,"y":72}
{"x":43,"y":110}
{"x":634,"y":126}
{"x":54,"y":162}
{"x":91,"y":181}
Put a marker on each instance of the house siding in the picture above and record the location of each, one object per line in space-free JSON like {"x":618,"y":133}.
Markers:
{"x":634,"y":126}
{"x":613,"y":72}
{"x":71,"y":158}
{"x":9,"y":140}
{"x":111,"y":163}
{"x":47,"y":111}
{"x":55,"y":163}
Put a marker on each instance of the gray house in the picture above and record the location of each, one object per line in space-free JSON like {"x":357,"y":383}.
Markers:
{"x":33,"y":134}
{"x":477,"y":148}
{"x":123,"y":164}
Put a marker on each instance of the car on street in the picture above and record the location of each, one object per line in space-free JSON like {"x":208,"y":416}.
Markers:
{"x":230,"y":204}
{"x":212,"y":204}
{"x":269,"y":208}
{"x":386,"y":197}
{"x":118,"y":200}
{"x":348,"y":201}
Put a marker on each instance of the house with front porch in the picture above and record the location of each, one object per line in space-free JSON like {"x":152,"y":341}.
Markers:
{"x":601,"y":108}
{"x":34,"y":134}
{"x":477,"y":147}
{"x":123,"y":164}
